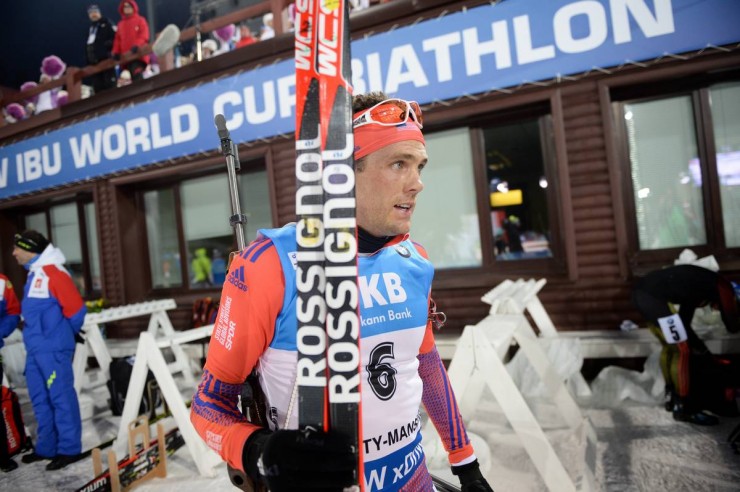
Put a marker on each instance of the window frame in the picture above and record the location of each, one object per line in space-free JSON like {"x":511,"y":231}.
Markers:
{"x":674,"y":80}
{"x":252,"y":162}
{"x":547,"y":107}
{"x":80,"y":200}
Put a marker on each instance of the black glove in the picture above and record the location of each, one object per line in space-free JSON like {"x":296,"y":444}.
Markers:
{"x":134,"y":49}
{"x":117,"y":57}
{"x":293,"y":460}
{"x":471,"y":479}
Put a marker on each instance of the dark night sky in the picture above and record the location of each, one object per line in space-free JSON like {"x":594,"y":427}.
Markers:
{"x":33,"y":29}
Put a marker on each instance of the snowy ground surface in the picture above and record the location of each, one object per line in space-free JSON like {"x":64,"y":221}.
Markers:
{"x":640,"y":447}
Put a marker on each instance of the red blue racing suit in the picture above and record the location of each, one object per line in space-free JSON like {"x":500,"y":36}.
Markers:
{"x":53,"y":312}
{"x":256,"y":327}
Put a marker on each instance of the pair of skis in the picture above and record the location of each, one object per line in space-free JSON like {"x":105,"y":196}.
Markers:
{"x":328,"y":328}
{"x":133,"y":467}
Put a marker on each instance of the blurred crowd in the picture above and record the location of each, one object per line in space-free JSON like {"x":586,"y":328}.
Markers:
{"x":122,"y":40}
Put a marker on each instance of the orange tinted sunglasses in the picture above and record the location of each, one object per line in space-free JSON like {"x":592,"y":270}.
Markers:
{"x":391,"y":112}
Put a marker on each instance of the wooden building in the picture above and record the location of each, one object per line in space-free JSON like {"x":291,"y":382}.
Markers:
{"x":586,"y":179}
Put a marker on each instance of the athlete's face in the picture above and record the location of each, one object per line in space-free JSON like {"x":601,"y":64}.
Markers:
{"x":387,"y":186}
{"x":22,"y":256}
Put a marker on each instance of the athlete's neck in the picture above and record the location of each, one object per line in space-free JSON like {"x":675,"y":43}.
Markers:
{"x":370,"y":243}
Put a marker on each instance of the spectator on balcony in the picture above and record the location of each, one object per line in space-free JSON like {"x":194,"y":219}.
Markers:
{"x":246,"y":36}
{"x":52,"y":67}
{"x":209,"y":48}
{"x":14,"y":112}
{"x":267,"y":30}
{"x":131,"y":35}
{"x":124,"y":78}
{"x":357,"y":5}
{"x":29,"y":103}
{"x":99,"y":45}
{"x":225,"y":38}
{"x":289,"y":16}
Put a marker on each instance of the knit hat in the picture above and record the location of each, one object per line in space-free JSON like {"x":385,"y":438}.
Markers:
{"x":32,"y":241}
{"x":210,"y":44}
{"x":16,"y":111}
{"x":28,"y":86}
{"x":93,"y":7}
{"x":225,"y":33}
{"x":53,"y":66}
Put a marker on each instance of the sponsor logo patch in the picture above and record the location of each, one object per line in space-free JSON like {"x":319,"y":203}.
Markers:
{"x":236,"y":278}
{"x":403,"y":251}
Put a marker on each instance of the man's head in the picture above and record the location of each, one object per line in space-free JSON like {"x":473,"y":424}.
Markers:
{"x":389,"y":155}
{"x":28,"y":244}
{"x":93,"y":12}
{"x":127,"y":8}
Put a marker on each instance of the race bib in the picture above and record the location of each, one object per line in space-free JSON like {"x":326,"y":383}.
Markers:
{"x":673,"y":329}
{"x":39,"y":287}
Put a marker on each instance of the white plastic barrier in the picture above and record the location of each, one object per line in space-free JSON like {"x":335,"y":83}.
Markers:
{"x":478,"y":361}
{"x":514,"y":298}
{"x":148,"y":356}
{"x":159,"y":327}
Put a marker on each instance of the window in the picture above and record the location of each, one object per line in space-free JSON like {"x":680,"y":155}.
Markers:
{"x":448,"y":198}
{"x":517,"y":187}
{"x":37,"y":222}
{"x":666,"y":177}
{"x":725,"y":106}
{"x":195,"y":253}
{"x":161,"y":233}
{"x":72,"y":228}
{"x":684,"y":165}
{"x":510,"y":222}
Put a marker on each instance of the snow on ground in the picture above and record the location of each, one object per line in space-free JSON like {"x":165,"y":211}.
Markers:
{"x":640,"y":448}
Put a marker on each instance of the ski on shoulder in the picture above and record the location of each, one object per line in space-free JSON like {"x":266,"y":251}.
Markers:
{"x":328,"y":295}
{"x":310,"y":276}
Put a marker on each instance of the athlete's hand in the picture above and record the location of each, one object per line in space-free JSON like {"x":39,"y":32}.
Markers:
{"x":471,"y":479}
{"x":292,"y":460}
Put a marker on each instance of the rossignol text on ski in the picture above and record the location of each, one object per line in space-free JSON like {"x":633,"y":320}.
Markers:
{"x":327,"y":306}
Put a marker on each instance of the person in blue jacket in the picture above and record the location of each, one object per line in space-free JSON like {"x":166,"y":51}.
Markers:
{"x":53,"y":314}
{"x":10,"y":315}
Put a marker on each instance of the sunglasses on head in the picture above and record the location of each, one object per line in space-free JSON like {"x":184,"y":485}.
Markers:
{"x":390,"y":112}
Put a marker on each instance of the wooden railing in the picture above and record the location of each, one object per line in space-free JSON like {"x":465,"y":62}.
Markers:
{"x":71,"y":81}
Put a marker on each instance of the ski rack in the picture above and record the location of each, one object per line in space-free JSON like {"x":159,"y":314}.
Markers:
{"x":139,"y":428}
{"x":479,"y":362}
{"x":159,"y":326}
{"x":149,"y":356}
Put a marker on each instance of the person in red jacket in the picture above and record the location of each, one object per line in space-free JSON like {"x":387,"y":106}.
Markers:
{"x":132,"y":33}
{"x":10,"y":314}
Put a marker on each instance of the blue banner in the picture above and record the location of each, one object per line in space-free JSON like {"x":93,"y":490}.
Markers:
{"x":470,"y":52}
